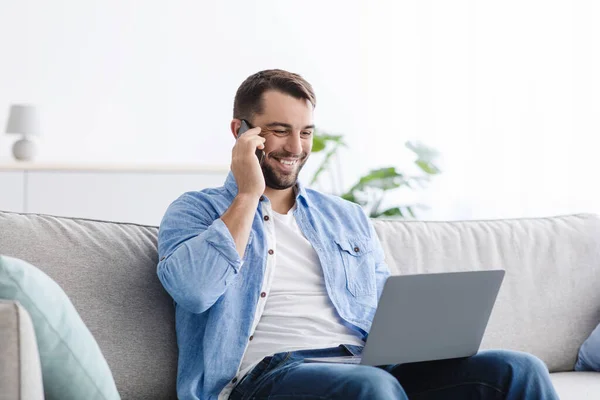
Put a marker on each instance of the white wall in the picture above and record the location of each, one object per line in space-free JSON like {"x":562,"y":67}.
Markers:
{"x":508,"y":92}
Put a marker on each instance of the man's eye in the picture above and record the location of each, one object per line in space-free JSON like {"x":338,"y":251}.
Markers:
{"x":280,"y":132}
{"x":307,"y":133}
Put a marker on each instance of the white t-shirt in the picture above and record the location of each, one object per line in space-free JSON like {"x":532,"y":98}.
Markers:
{"x":298,"y":313}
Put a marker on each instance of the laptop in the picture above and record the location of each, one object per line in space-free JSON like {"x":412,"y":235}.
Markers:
{"x":428,"y":317}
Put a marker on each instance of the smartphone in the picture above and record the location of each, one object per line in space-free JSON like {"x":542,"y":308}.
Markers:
{"x":243,"y":128}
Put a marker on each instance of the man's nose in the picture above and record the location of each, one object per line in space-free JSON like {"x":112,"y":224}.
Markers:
{"x":294,"y":144}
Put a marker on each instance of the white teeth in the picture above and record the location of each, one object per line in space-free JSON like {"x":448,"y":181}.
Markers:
{"x":288,"y":162}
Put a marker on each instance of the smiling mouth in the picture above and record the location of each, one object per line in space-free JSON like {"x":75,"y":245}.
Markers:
{"x":287,"y":162}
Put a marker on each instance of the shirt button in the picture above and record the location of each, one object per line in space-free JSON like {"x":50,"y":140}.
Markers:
{"x":356,"y":249}
{"x":271,"y":251}
{"x":251,"y":337}
{"x":266,"y":218}
{"x":262,"y":198}
{"x":234,"y":380}
{"x":263,"y":294}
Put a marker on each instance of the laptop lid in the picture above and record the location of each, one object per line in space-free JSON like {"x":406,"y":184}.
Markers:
{"x":431,"y":316}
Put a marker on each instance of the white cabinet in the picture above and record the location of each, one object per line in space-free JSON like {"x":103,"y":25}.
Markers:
{"x":11,"y":190}
{"x":138,"y":195}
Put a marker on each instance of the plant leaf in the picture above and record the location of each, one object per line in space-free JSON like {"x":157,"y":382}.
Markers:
{"x":422,"y":151}
{"x":392,"y":212}
{"x":324,"y":164}
{"x":320,"y":140}
{"x":427,"y":167}
{"x":319,"y":144}
{"x":349,"y":196}
{"x":382,"y":178}
{"x":377,"y":204}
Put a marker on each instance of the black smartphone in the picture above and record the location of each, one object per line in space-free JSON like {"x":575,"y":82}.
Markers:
{"x":243,"y":128}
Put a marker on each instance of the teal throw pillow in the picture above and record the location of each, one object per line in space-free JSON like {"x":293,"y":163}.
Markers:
{"x":73,"y":367}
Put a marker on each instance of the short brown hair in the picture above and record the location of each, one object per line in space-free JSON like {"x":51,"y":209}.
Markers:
{"x":248,"y":98}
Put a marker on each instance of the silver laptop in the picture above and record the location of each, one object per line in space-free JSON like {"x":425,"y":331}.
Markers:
{"x":428,"y":317}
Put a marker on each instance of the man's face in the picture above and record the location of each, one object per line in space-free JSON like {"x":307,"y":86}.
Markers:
{"x":287,"y":126}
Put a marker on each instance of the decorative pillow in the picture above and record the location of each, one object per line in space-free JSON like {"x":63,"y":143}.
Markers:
{"x":73,"y":366}
{"x":589,"y":353}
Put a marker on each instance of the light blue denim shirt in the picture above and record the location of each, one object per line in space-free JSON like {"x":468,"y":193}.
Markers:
{"x":216,"y":292}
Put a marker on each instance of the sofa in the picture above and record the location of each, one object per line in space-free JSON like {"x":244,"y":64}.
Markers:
{"x":548,"y":304}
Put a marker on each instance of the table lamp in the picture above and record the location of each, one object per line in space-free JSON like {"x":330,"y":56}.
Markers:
{"x":24,"y":120}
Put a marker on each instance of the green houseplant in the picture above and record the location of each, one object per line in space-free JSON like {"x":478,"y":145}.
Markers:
{"x":371,"y":189}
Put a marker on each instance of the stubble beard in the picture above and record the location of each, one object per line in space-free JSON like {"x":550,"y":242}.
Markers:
{"x":278,"y":181}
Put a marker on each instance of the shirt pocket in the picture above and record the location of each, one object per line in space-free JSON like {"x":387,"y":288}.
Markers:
{"x":359,"y":266}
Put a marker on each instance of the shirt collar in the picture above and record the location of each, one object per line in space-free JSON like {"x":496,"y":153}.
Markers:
{"x":299,"y":189}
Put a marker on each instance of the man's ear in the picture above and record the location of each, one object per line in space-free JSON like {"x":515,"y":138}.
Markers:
{"x":235,"y":127}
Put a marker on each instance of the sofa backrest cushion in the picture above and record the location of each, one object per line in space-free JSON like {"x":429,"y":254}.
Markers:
{"x":549,"y":301}
{"x":108,"y":270}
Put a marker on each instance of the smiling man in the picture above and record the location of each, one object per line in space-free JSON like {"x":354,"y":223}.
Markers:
{"x":266,"y":273}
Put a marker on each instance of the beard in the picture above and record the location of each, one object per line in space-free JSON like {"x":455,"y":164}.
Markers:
{"x":279,"y":180}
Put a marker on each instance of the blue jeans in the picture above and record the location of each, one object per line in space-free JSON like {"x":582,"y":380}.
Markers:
{"x":496,"y":374}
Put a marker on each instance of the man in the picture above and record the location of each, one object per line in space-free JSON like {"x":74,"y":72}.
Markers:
{"x":265,"y":273}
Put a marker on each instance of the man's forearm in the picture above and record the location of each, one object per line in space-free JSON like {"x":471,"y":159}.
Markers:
{"x":198,"y":271}
{"x":238,"y":219}
{"x":199,"y":259}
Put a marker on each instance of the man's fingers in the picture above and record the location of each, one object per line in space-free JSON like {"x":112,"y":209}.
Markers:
{"x":259,"y":142}
{"x":256,"y":139}
{"x":253,"y":142}
{"x":250,"y":140}
{"x":252,"y":132}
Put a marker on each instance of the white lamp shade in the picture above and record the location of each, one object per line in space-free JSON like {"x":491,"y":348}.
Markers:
{"x":23,"y":119}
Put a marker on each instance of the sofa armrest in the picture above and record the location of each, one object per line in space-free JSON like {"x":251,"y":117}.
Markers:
{"x":20,"y":370}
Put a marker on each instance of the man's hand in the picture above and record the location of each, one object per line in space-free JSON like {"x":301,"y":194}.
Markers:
{"x":251,"y":185}
{"x":245,"y":165}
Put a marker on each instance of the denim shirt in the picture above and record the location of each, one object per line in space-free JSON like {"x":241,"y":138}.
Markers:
{"x":216,"y":292}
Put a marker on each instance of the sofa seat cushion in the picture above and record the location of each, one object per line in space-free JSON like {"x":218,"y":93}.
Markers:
{"x":73,"y":366}
{"x":577,"y":385}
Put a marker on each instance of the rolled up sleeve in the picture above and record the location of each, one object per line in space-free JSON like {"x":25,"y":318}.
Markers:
{"x":197,"y":255}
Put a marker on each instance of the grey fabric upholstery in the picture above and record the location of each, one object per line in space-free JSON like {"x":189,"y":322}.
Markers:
{"x":109,"y":272}
{"x":577,"y":385}
{"x":20,"y":371}
{"x":549,"y":301}
{"x":547,"y":306}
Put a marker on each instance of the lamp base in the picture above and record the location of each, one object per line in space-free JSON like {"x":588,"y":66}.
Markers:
{"x":24,"y":149}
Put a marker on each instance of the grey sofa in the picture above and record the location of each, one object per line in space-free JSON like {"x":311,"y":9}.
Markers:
{"x":548,"y":304}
